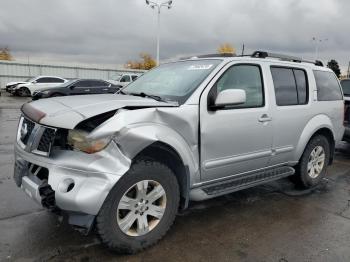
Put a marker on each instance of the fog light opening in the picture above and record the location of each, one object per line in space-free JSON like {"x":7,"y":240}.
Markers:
{"x":66,"y":185}
{"x":70,"y":187}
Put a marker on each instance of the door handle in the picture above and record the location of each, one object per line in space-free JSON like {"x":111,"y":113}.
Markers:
{"x":264,"y":118}
{"x":87,"y":90}
{"x":105,"y":89}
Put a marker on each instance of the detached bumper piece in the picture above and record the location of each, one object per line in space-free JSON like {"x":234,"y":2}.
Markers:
{"x":33,"y":181}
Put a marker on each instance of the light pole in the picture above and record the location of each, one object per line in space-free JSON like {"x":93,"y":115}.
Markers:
{"x":154,"y":5}
{"x":317,"y":42}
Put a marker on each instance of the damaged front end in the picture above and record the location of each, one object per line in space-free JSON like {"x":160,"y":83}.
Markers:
{"x":61,"y":178}
{"x":69,"y":159}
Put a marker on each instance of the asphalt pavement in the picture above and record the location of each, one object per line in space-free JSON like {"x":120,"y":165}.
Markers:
{"x":273,"y":222}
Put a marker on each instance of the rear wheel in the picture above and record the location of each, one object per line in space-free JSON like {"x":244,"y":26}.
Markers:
{"x":140,"y":208}
{"x":23,"y":92}
{"x":313,"y":163}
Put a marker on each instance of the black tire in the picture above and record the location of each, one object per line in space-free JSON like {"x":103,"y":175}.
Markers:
{"x":106,"y":223}
{"x":302,"y":177}
{"x":24,"y":92}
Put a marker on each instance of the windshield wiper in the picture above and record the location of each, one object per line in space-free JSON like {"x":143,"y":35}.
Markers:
{"x":143,"y":94}
{"x":120,"y":91}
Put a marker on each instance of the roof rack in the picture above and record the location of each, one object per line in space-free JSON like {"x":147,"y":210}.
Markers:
{"x":209,"y":56}
{"x":264,"y":54}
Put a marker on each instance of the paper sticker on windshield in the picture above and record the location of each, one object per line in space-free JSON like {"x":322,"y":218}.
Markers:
{"x":199,"y":67}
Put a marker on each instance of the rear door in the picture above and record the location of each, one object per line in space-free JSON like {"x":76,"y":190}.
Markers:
{"x":81,"y":87}
{"x":291,"y":110}
{"x":100,"y":87}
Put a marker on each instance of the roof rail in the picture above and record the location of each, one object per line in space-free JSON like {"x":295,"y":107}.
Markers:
{"x":209,"y":56}
{"x":264,"y":54}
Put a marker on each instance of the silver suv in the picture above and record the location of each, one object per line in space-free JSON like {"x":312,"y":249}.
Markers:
{"x":186,"y":131}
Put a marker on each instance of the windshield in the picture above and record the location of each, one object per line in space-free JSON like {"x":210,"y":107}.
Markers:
{"x":173,"y":81}
{"x":346,"y":87}
{"x":29,"y":79}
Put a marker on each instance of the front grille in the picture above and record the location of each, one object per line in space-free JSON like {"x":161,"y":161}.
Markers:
{"x":35,"y":138}
{"x":26,"y":130}
{"x":46,"y":140}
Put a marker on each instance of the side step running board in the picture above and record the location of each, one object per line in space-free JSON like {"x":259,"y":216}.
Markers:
{"x":248,"y":180}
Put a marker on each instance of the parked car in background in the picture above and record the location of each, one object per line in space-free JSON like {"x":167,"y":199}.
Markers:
{"x":124,"y":79}
{"x":34,"y":84}
{"x":188,"y":130}
{"x":346,"y":91}
{"x":77,"y":87}
{"x":12,"y":85}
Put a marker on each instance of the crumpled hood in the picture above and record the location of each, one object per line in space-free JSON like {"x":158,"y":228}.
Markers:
{"x":67,"y":112}
{"x":15,"y":83}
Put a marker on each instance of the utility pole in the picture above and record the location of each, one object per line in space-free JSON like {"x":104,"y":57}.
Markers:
{"x":154,"y":5}
{"x":318,"y":42}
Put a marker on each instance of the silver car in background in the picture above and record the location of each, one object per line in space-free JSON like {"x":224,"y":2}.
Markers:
{"x":185,"y":131}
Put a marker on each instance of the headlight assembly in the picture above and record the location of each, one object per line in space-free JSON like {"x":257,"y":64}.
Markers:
{"x":78,"y":140}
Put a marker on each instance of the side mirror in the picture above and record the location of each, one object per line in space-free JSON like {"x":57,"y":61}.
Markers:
{"x":72,"y":87}
{"x":230,"y":97}
{"x":34,"y":82}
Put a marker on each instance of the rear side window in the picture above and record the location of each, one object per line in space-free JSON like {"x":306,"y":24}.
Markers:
{"x":291,"y":86}
{"x":50,"y":80}
{"x":346,"y":87}
{"x":328,"y":88}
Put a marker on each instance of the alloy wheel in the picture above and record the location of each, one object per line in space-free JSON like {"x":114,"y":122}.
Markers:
{"x":316,"y":162}
{"x":141,"y":208}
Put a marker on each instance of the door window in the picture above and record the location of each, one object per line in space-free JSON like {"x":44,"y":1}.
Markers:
{"x":247,"y":78}
{"x":125,"y":78}
{"x":290,"y":85}
{"x":49,"y":80}
{"x":98,"y":83}
{"x":83,"y":83}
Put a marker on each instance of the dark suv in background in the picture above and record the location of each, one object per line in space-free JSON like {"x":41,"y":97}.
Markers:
{"x":346,"y":91}
{"x":77,"y":87}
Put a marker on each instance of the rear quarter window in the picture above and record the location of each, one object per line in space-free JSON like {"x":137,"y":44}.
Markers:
{"x":328,"y":88}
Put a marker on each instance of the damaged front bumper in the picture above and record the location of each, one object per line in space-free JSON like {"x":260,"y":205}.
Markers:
{"x":73,"y":182}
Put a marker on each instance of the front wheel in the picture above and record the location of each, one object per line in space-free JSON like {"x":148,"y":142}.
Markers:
{"x":313,"y":163}
{"x":140,"y":208}
{"x":23,"y":92}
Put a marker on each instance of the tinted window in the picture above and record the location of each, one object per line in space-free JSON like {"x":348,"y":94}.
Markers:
{"x":285,"y":86}
{"x":125,"y":78}
{"x":327,"y":86}
{"x":346,"y":87}
{"x":98,"y":83}
{"x":302,"y":86}
{"x":59,"y":80}
{"x":43,"y":80}
{"x":246,"y":77}
{"x":50,"y":80}
{"x":82,"y":83}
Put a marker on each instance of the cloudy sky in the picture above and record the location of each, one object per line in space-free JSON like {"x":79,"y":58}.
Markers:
{"x":114,"y":31}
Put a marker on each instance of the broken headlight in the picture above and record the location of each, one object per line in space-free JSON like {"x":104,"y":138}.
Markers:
{"x":79,"y":141}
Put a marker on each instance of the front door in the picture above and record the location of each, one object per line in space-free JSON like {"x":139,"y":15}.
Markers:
{"x":235,"y":139}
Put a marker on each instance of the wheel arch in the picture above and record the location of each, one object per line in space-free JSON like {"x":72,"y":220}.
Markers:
{"x":167,"y":155}
{"x":319,"y":125}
